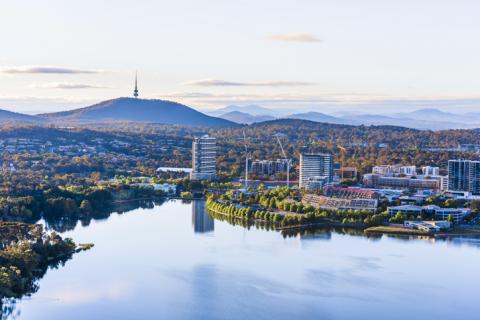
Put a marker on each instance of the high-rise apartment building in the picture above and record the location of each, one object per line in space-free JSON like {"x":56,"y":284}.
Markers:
{"x":204,"y":153}
{"x":316,"y":169}
{"x":464,"y":175}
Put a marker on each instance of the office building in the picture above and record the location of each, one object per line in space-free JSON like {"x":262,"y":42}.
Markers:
{"x":204,"y":152}
{"x":464,"y":175}
{"x":316,"y":170}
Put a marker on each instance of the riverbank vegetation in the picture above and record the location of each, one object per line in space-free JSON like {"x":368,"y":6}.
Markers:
{"x":282,"y":206}
{"x":70,"y":200}
{"x":26,"y":252}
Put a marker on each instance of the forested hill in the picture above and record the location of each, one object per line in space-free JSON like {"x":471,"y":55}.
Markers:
{"x":140,"y":110}
{"x":361,"y":146}
{"x":305,"y":132}
{"x":169,"y":145}
{"x":297,"y":132}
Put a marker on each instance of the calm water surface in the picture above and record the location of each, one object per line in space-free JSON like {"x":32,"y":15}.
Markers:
{"x":175,"y":262}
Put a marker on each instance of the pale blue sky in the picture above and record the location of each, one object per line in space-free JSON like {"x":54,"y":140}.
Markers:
{"x":319,"y":55}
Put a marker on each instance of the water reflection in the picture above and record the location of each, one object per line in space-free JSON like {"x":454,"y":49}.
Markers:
{"x":163,"y":270}
{"x":325,"y":233}
{"x":202,"y":222}
{"x":69,"y":223}
{"x":8,"y":305}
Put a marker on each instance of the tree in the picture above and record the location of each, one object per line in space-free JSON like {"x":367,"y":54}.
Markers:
{"x":398,"y":218}
{"x":186,"y":195}
{"x":450,"y":203}
{"x":475,"y":205}
{"x":450,"y":219}
{"x":86,"y":207}
{"x":272,"y":203}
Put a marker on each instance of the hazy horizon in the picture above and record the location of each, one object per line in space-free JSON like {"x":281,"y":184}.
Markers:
{"x":24,"y":106}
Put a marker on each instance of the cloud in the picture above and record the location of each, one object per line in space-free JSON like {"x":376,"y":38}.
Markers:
{"x":67,"y":85}
{"x":224,"y":83}
{"x":45,"y":70}
{"x":294,"y":37}
{"x":35,"y":104}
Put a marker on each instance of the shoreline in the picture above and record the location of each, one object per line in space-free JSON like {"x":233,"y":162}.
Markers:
{"x":368,"y":230}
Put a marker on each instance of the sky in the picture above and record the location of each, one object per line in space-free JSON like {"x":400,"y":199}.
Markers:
{"x":327,"y":56}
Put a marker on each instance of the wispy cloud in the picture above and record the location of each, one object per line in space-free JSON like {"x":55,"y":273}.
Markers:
{"x":67,"y":85}
{"x":35,"y":104}
{"x":224,"y":83}
{"x":294,"y":37}
{"x":45,"y":70}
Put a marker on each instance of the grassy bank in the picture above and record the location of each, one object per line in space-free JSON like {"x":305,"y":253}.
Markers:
{"x":396,"y":230}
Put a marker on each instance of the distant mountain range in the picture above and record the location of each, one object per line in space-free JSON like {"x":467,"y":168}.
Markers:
{"x":173,"y":113}
{"x":252,"y":110}
{"x":425,"y":119}
{"x":139,"y":110}
{"x":317,"y":117}
{"x":245,"y":118}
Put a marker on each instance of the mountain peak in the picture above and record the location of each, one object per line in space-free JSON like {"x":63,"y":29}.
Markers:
{"x":6,"y":116}
{"x":141,"y":110}
{"x":429,"y":111}
{"x":250,"y":109}
{"x":245,"y":118}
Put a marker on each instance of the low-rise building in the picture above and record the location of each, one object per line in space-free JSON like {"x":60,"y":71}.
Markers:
{"x":407,"y":209}
{"x":329,"y":203}
{"x":350,"y":193}
{"x":349,"y":173}
{"x":430,"y":171}
{"x":378,"y":181}
{"x":457,"y":214}
{"x":415,"y":200}
{"x":428,"y":226}
{"x":393,"y":170}
{"x":268,"y":167}
{"x":315,"y":183}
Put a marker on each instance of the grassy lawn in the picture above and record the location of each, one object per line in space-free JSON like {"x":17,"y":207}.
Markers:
{"x":396,"y":230}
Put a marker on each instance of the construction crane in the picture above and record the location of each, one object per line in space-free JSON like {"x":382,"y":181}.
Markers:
{"x":342,"y":160}
{"x":278,"y":135}
{"x":246,"y":159}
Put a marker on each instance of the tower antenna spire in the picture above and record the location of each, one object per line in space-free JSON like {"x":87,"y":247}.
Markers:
{"x":135,"y":91}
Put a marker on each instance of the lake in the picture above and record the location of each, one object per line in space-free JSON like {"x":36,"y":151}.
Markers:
{"x":173,"y":261}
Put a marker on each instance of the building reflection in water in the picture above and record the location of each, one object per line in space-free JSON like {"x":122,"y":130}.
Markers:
{"x":202,"y":222}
